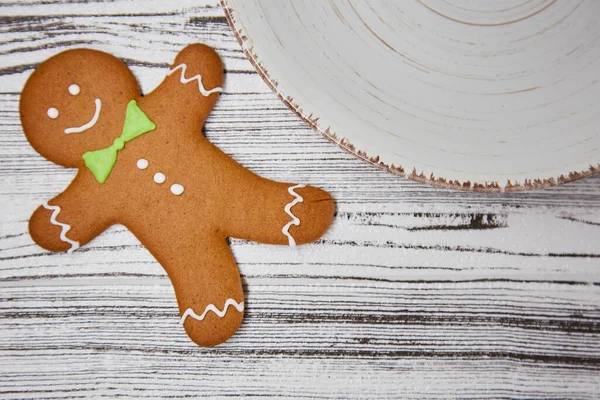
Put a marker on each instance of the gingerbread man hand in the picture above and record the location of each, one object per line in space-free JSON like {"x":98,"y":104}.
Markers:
{"x":144,"y":163}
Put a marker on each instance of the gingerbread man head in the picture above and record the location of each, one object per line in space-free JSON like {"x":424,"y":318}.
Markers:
{"x":73,"y":102}
{"x":144,"y":163}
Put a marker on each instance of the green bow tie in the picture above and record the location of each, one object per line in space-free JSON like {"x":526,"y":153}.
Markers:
{"x":101,"y":162}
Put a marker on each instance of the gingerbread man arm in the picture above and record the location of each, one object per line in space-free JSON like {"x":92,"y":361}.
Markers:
{"x":190,"y":89}
{"x":286,"y":213}
{"x":69,"y":220}
{"x":272,"y":212}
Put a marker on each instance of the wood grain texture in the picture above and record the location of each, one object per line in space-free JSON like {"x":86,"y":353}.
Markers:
{"x":415,"y":292}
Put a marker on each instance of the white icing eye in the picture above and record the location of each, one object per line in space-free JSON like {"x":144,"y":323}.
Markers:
{"x":142,"y":163}
{"x":159,"y":177}
{"x":74,"y":89}
{"x":176,"y":189}
{"x":52,"y":113}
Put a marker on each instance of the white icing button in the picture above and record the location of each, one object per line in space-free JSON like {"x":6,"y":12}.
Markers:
{"x":176,"y":189}
{"x":53,"y":113}
{"x":142,"y":163}
{"x":159,"y":177}
{"x":74,"y":89}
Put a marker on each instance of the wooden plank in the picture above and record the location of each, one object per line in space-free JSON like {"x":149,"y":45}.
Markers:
{"x":379,"y":341}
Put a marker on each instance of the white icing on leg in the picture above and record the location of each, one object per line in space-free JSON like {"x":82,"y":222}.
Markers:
{"x":211,"y":307}
{"x":198,"y":78}
{"x":64,"y":227}
{"x":288,"y":209}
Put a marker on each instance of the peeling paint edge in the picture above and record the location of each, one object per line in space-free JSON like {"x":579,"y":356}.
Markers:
{"x":347,"y":146}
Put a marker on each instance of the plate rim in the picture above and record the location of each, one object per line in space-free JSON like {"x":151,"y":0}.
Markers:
{"x":423,"y":177}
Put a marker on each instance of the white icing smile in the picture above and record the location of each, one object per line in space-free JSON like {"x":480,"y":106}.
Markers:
{"x":88,"y":125}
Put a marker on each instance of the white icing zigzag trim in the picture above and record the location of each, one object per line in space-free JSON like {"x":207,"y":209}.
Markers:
{"x":64,"y":227}
{"x":288,"y":210}
{"x":198,"y":78}
{"x":211,"y":307}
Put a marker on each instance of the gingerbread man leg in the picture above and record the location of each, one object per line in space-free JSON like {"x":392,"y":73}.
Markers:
{"x":208,"y":288}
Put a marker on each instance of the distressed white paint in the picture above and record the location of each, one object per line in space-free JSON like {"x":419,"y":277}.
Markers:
{"x":471,"y":91}
{"x":415,"y":292}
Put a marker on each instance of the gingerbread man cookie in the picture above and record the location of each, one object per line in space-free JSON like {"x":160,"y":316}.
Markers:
{"x":142,"y":162}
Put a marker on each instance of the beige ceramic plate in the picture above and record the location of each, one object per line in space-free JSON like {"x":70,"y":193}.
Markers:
{"x":474,"y":95}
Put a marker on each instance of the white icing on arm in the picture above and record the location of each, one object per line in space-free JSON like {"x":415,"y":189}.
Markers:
{"x":88,"y":125}
{"x":211,"y":307}
{"x":288,"y":209}
{"x":198,"y":78}
{"x":64,"y":227}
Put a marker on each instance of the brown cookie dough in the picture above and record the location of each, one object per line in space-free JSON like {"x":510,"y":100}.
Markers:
{"x":143,"y":163}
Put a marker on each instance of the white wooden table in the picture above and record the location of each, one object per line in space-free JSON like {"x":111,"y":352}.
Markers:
{"x":415,"y":292}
